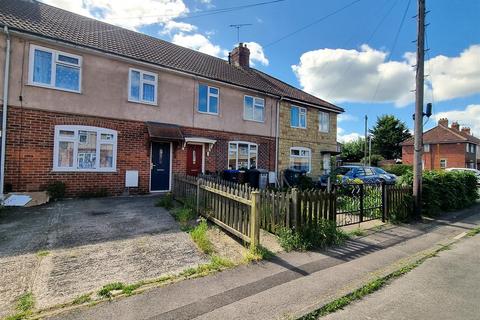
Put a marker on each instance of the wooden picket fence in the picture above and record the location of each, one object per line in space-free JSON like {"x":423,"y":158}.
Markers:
{"x":242,"y":210}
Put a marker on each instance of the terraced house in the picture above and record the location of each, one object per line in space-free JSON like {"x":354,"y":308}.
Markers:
{"x":98,"y":106}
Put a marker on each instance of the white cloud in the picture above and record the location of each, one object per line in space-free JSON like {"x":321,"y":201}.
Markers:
{"x":128,"y":14}
{"x":170,"y":26}
{"x":349,"y":137}
{"x":256,"y":53}
{"x":199,"y":42}
{"x":346,"y":117}
{"x":365,"y":75}
{"x":469,"y":117}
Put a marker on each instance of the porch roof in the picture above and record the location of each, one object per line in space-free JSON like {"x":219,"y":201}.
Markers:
{"x":164,"y":131}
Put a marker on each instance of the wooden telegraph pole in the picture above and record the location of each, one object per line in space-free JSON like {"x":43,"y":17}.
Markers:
{"x":418,"y":128}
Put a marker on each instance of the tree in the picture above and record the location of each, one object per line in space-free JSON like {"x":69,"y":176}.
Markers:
{"x":353,"y":151}
{"x":388,"y":133}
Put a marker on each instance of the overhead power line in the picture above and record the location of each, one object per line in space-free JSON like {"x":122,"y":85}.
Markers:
{"x":312,"y":23}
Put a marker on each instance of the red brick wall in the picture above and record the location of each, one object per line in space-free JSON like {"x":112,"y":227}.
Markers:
{"x":454,"y":153}
{"x":30,"y":143}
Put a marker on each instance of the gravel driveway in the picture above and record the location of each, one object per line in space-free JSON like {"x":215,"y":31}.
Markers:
{"x":62,"y":250}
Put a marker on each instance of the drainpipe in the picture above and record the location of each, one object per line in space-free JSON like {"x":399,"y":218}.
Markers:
{"x":4,"y":111}
{"x":277,"y":137}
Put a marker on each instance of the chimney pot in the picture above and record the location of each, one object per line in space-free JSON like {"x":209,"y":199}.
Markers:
{"x":240,"y":56}
{"x":443,"y":122}
{"x":455,"y":126}
{"x":466,"y":130}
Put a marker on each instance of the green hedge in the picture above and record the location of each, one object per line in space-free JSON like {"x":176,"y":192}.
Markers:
{"x":445,"y":191}
{"x":398,"y":169}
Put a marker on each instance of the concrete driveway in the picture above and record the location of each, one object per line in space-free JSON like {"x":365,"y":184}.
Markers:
{"x":62,"y":250}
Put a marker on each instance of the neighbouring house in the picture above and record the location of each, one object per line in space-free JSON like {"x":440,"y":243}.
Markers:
{"x":98,"y":106}
{"x":445,"y":147}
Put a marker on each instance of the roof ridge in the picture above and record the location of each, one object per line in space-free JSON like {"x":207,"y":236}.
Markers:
{"x":453,"y":131}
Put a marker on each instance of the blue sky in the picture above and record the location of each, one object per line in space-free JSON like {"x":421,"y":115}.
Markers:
{"x":348,"y":58}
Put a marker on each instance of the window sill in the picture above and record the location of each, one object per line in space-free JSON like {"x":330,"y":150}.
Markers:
{"x":61,"y":170}
{"x":304,"y":128}
{"x":252,"y":120}
{"x":153,"y":104}
{"x":32,"y":84}
{"x":209,"y":113}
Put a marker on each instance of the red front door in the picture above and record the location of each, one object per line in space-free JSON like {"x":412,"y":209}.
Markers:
{"x":194,"y":159}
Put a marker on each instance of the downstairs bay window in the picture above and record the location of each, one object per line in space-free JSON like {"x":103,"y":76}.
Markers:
{"x":83,"y":148}
{"x":301,"y":159}
{"x":242,"y":155}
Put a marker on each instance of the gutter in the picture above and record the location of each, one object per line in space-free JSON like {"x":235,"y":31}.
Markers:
{"x":5,"y":111}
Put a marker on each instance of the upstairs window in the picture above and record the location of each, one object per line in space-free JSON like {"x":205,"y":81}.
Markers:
{"x":54,"y":69}
{"x":208,"y":99}
{"x":324,"y":122}
{"x":253,"y":109}
{"x":242,"y":155}
{"x":301,"y":159}
{"x":426,"y":148}
{"x":82,"y":148}
{"x":298,"y":117}
{"x":142,"y":86}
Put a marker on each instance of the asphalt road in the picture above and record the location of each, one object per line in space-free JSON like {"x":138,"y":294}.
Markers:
{"x":443,"y":287}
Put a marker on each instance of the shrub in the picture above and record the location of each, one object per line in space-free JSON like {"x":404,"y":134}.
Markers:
{"x":321,"y":234}
{"x":305,"y":183}
{"x":398,"y":169}
{"x":56,"y":190}
{"x":166,"y":201}
{"x":445,"y":191}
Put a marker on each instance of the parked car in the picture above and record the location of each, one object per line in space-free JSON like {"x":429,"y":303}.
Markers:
{"x":474,"y":171}
{"x":364,"y":173}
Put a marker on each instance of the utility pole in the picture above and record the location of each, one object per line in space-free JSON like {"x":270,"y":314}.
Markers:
{"x":418,"y":128}
{"x":366,"y":141}
{"x":369,"y":150}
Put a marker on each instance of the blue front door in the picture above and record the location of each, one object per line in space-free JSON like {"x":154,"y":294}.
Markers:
{"x":160,"y":176}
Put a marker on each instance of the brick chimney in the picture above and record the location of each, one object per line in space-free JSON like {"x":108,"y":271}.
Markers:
{"x":466,"y":130}
{"x":455,"y":126}
{"x":443,"y":122}
{"x":240,"y":56}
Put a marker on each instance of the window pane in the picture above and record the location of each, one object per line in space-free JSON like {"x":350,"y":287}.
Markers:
{"x":148,"y":77}
{"x":68,"y":59}
{"x":253,"y":159}
{"x":67,"y":133}
{"x":213,"y":108}
{"x":135,"y":85}
{"x":106,"y":156}
{"x":106,"y":136}
{"x":214,"y":91}
{"x":303,"y":120}
{"x":87,"y":149}
{"x":248,"y":108}
{"x":294,"y":117}
{"x":148,"y":92}
{"x":67,"y":77}
{"x":243,"y":156}
{"x":42,"y":67}
{"x":65,"y":154}
{"x":232,"y":158}
{"x":202,"y":98}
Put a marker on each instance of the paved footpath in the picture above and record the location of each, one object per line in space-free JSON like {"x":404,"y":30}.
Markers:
{"x":442,"y":288}
{"x":291,"y":284}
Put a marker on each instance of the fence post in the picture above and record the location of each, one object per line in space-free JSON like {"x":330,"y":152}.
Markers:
{"x":199,"y":183}
{"x":296,"y":212}
{"x":384,"y":201}
{"x":361,"y":201}
{"x":254,"y":220}
{"x":332,"y":198}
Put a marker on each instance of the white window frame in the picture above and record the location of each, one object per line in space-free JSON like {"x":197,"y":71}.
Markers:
{"x":250,"y":144}
{"x":209,"y":94}
{"x":426,"y":147}
{"x":75,"y":140}
{"x":322,"y":115}
{"x":142,"y":81}
{"x":245,"y":117}
{"x":301,"y":110}
{"x":55,"y":61}
{"x":446,"y":163}
{"x":300,"y":149}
